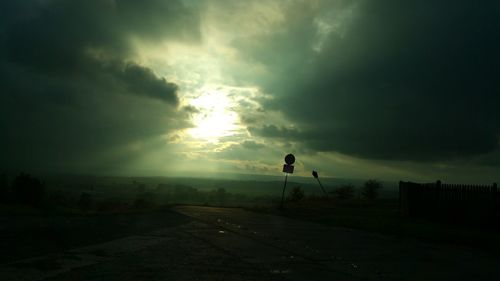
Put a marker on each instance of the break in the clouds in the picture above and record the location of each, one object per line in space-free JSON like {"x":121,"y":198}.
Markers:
{"x":392,"y":80}
{"x":72,"y":96}
{"x":360,"y":88}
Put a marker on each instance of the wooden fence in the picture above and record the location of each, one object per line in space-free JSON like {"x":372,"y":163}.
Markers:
{"x":455,"y":203}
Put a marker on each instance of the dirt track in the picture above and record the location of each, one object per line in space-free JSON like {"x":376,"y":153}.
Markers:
{"x":233,"y":244}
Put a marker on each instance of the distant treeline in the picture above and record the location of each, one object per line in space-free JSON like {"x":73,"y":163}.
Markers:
{"x":103,"y":195}
{"x":25,"y":189}
{"x":369,"y":190}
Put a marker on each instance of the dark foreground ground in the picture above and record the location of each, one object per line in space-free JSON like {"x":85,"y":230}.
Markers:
{"x":206,"y":243}
{"x":33,"y":235}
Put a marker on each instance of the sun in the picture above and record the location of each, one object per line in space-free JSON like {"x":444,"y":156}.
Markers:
{"x":215,"y":118}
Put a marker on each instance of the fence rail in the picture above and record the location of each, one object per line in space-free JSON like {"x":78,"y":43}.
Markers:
{"x":457,"y":203}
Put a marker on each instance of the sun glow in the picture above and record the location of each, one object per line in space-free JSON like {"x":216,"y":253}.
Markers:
{"x":214,"y":118}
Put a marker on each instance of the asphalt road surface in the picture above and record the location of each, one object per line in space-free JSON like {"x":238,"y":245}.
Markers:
{"x":234,"y":244}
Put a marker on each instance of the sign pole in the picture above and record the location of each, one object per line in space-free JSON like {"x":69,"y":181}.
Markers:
{"x":283,"y":194}
{"x":287,"y":169}
{"x":320,"y":185}
{"x":316,"y":176}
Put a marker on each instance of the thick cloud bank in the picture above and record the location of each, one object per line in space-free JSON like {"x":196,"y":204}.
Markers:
{"x":72,"y":97}
{"x":395,"y":80}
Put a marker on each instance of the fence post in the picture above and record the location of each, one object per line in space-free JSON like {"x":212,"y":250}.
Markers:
{"x":438,"y":203}
{"x":438,"y":190}
{"x":403,"y":199}
{"x":494,"y":194}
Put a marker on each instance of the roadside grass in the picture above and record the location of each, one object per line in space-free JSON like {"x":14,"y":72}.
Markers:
{"x":382,"y":216}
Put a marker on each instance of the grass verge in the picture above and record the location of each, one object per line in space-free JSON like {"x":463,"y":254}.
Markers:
{"x":382,"y":216}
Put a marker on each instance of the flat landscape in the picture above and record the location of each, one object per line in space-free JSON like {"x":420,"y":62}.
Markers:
{"x":210,"y":243}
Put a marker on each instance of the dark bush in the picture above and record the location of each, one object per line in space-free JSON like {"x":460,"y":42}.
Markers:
{"x":28,"y":190}
{"x":108,"y":204}
{"x":85,"y":201}
{"x":4,"y":189}
{"x":370,"y":189}
{"x":184,"y":193}
{"x":141,"y":203}
{"x":344,"y":192}
{"x":221,"y":195}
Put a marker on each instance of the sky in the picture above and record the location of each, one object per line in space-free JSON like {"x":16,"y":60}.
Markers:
{"x":386,"y":89}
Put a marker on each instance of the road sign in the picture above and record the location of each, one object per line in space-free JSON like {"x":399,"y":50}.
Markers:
{"x":290,"y":159}
{"x":288,"y":169}
{"x":316,"y":176}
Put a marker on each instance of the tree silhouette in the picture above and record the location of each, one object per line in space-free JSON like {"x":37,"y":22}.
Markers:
{"x":344,"y":192}
{"x":4,"y":188}
{"x":85,"y":201}
{"x":28,"y":190}
{"x":221,"y":195}
{"x":370,"y":189}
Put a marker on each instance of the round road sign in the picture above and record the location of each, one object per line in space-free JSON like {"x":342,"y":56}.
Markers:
{"x":290,"y":159}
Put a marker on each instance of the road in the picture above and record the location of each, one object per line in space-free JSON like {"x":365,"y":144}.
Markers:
{"x":234,"y":244}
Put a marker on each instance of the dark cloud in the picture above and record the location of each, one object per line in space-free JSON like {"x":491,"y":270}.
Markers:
{"x":141,"y":80}
{"x":252,"y":145}
{"x":247,"y":150}
{"x":72,"y":96}
{"x":402,"y":80}
{"x":46,"y":30}
{"x":274,"y":131}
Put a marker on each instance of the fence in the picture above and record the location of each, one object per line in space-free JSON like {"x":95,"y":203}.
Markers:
{"x":456,"y":203}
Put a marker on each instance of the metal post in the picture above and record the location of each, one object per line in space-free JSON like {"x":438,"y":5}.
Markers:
{"x":283,"y":194}
{"x":316,"y":176}
{"x":321,"y":186}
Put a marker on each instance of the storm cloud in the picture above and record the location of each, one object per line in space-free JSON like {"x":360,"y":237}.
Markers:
{"x":72,"y":94}
{"x":393,"y":80}
{"x":360,"y":86}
